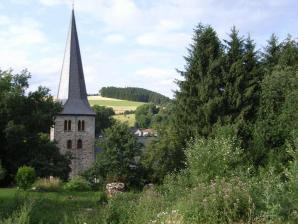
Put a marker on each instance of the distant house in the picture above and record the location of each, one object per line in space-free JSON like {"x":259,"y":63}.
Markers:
{"x":149,"y":132}
{"x":138,"y":133}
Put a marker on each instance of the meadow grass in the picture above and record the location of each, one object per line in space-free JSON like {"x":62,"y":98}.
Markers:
{"x":119,"y":106}
{"x":52,"y":207}
{"x":129,"y":118}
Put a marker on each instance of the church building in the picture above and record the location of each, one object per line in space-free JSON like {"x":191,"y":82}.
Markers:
{"x":74,"y":129}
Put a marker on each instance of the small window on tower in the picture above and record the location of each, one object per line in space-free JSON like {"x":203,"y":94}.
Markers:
{"x":69,"y":144}
{"x":79,"y":125}
{"x":65,"y":125}
{"x":69,"y":125}
{"x":80,"y":144}
{"x":83,"y":125}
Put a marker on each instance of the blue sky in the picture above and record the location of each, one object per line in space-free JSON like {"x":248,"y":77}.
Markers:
{"x":128,"y":42}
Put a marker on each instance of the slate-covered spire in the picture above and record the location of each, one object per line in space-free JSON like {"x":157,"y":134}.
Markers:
{"x":72,"y":89}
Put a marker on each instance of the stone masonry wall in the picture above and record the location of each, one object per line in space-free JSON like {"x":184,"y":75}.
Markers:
{"x":84,"y":157}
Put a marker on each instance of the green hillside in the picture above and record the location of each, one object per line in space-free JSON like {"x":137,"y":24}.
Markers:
{"x":119,"y":106}
{"x":134,"y":94}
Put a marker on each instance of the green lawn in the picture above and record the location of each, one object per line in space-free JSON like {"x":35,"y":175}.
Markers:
{"x":115,"y":103}
{"x":119,"y":106}
{"x":52,"y":208}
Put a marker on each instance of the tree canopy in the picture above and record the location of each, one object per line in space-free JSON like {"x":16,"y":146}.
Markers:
{"x":134,"y":94}
{"x":103,"y":118}
{"x":25,"y":122}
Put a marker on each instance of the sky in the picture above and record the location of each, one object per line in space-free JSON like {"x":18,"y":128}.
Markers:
{"x":135,"y":43}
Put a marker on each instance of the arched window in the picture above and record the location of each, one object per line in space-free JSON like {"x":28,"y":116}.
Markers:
{"x":69,"y":125}
{"x":80,"y":144}
{"x":79,"y":126}
{"x":65,"y":125}
{"x":83,"y":125}
{"x":69,"y":144}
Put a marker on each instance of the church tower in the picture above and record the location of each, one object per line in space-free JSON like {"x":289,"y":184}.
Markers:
{"x":74,"y":129}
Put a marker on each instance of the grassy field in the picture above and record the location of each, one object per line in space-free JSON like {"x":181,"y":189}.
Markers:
{"x":129,"y":118}
{"x":52,"y":208}
{"x":119,"y":106}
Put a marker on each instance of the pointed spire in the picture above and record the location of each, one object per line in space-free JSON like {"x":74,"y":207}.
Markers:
{"x":72,"y":89}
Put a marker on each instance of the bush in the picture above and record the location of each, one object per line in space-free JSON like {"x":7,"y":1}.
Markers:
{"x":48,"y":184}
{"x":208,"y":158}
{"x":25,"y":177}
{"x":118,"y":161}
{"x":220,"y":201}
{"x":78,"y":183}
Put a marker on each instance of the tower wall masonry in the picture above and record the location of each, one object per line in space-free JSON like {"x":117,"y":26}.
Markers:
{"x":84,"y":157}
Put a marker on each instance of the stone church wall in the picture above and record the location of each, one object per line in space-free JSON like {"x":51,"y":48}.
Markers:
{"x":84,"y":157}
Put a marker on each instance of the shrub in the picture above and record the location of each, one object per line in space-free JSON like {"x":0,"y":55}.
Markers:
{"x":48,"y":184}
{"x":292,"y":184}
{"x":208,"y":158}
{"x":77,"y":183}
{"x":220,"y":201}
{"x":96,"y":181}
{"x":25,"y":177}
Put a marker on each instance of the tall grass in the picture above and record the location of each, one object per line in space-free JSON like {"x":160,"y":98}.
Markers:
{"x":48,"y":184}
{"x":21,"y":216}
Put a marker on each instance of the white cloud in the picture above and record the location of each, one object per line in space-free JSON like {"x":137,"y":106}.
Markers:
{"x":114,"y":38}
{"x":164,"y":39}
{"x":55,"y":2}
{"x":20,"y":33}
{"x":4,"y":20}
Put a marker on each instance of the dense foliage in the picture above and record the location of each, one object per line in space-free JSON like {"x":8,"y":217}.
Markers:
{"x":2,"y":171}
{"x":103,"y":118}
{"x":118,"y":160}
{"x":25,"y":177}
{"x":25,"y":121}
{"x":77,"y":184}
{"x":134,"y":94}
{"x":145,"y":115}
{"x":229,"y":83}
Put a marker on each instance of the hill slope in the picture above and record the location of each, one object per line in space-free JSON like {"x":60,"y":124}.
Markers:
{"x":134,"y":94}
{"x":119,"y":106}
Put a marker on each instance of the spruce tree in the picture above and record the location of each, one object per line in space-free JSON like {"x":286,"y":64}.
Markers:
{"x":271,"y":53}
{"x":241,"y":79}
{"x":199,"y":99}
{"x":289,"y":53}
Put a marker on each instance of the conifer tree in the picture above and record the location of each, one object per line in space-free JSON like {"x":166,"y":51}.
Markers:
{"x":289,"y":53}
{"x":234,"y":47}
{"x":199,"y":100}
{"x":271,"y":53}
{"x":241,"y":79}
